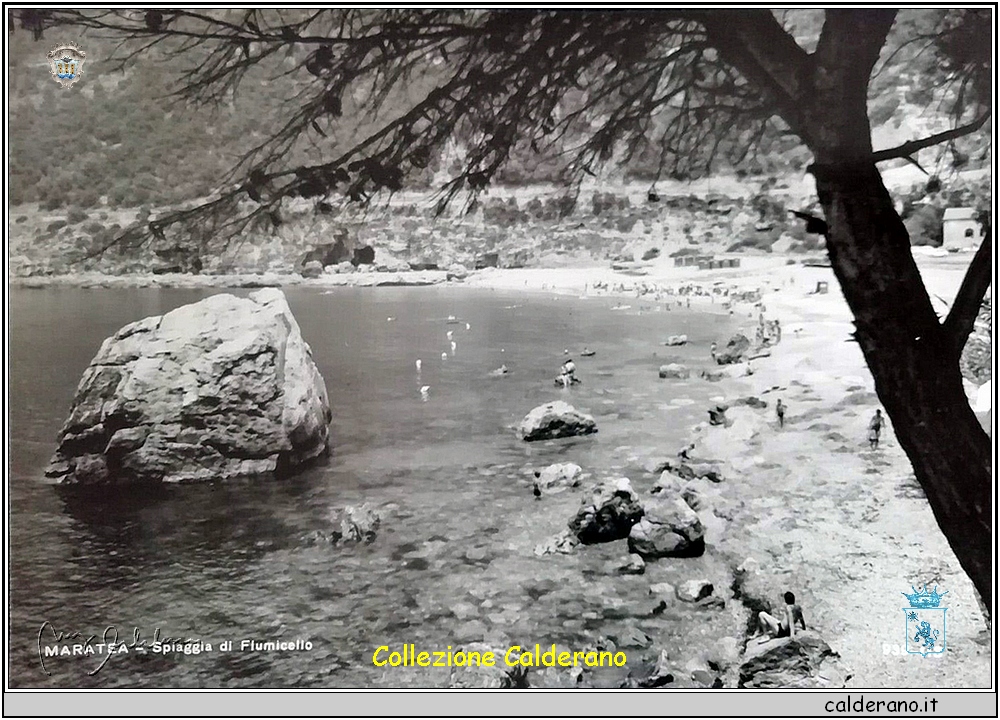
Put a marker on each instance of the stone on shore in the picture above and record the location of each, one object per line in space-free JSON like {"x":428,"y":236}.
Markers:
{"x":479,"y":676}
{"x":555,"y":420}
{"x":717,"y":415}
{"x":312,"y":269}
{"x":664,"y":595}
{"x":558,"y":477}
{"x":609,"y":514}
{"x":690,"y":469}
{"x":222,"y":388}
{"x":695,"y":590}
{"x":633,"y":565}
{"x":564,"y":543}
{"x":668,"y":528}
{"x":676,"y":340}
{"x":651,"y":673}
{"x":804,"y":661}
{"x":675,"y":371}
{"x":735,"y":350}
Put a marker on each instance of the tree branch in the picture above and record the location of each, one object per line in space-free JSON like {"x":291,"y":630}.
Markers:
{"x":962,"y":316}
{"x":908,"y":148}
{"x":850,"y":43}
{"x":754,"y":42}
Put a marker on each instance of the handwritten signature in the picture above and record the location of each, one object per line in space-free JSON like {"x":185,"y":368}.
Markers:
{"x":110,"y":644}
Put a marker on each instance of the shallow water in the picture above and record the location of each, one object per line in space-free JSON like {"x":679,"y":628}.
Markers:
{"x":453,"y":561}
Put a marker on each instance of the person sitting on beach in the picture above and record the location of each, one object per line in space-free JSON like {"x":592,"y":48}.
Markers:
{"x":780,"y":410}
{"x":875,"y":429}
{"x":769,"y":625}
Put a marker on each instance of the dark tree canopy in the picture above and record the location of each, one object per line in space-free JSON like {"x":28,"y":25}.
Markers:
{"x":591,"y":85}
{"x":597,"y":85}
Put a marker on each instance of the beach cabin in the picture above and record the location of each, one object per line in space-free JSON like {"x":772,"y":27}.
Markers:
{"x":961,"y":229}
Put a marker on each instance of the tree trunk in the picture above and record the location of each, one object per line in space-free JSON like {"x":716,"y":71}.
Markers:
{"x":913,"y":361}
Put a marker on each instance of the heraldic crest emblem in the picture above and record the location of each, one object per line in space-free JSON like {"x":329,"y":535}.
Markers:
{"x":66,"y":63}
{"x":925,"y":622}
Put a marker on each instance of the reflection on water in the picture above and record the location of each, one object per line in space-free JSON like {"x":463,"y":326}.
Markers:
{"x":454,"y":559}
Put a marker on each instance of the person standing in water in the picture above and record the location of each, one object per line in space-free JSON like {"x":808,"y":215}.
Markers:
{"x":567,"y":374}
{"x":780,"y":410}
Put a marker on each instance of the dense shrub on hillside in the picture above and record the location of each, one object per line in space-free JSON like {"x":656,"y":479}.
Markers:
{"x":753,"y":241}
{"x":808,"y":244}
{"x":769,"y":209}
{"x":603,"y":203}
{"x":76,"y":216}
{"x":926,"y":225}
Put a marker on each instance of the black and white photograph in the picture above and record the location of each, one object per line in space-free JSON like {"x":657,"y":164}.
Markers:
{"x":559,"y":348}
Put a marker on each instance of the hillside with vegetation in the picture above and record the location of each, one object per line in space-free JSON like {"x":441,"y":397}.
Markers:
{"x":117,"y":148}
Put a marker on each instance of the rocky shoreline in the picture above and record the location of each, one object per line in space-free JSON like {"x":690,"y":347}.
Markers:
{"x":805,"y":507}
{"x":415,"y":278}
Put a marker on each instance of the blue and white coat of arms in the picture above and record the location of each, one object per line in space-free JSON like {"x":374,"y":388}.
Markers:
{"x":925,"y":622}
{"x":66,"y":63}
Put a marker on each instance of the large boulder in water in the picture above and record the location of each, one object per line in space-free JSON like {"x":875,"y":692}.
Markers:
{"x":608,"y":514}
{"x":555,"y":420}
{"x":668,"y":528}
{"x":222,"y":388}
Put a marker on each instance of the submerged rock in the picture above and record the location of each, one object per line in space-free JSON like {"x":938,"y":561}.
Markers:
{"x":632,"y":638}
{"x":480,"y":676}
{"x":558,"y":476}
{"x":669,"y":528}
{"x":674,"y":370}
{"x":221,"y":388}
{"x":555,"y":420}
{"x":358,"y":524}
{"x":651,"y":674}
{"x":609,"y":514}
{"x":350,"y":525}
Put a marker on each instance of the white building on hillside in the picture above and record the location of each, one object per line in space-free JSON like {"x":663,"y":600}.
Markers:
{"x":961,"y":229}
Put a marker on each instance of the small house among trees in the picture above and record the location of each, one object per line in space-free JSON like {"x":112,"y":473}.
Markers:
{"x":962,"y":229}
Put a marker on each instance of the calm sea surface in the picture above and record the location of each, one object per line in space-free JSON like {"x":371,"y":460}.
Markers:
{"x":453,"y":561}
